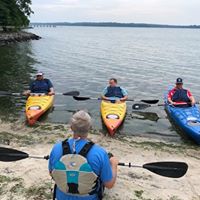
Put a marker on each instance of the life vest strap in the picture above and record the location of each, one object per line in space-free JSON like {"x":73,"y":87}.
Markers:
{"x":84,"y":151}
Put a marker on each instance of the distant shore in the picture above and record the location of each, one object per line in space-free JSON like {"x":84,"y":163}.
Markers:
{"x":13,"y":37}
{"x":113,"y":24}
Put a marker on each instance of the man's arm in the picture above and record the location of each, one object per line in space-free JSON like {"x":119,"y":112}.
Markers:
{"x":192,"y":99}
{"x":125,"y":94}
{"x":51,"y":89}
{"x":27,"y":92}
{"x":124,"y":98}
{"x":170,"y":94}
{"x":170,"y":100}
{"x":114,"y":163}
{"x":104,"y":93}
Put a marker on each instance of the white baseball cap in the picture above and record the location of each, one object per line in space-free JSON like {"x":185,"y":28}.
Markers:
{"x":39,"y":74}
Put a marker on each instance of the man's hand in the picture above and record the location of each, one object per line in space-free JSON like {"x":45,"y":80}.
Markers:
{"x":51,"y":93}
{"x":26,"y":93}
{"x":114,"y":161}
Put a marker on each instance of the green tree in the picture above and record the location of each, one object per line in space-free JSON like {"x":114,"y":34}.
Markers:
{"x":14,"y":13}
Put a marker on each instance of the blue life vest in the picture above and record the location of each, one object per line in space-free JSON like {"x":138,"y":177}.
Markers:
{"x":180,"y":95}
{"x":40,"y":86}
{"x":114,"y":92}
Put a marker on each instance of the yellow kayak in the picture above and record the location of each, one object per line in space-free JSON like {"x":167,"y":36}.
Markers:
{"x":37,"y":106}
{"x":113,"y":115}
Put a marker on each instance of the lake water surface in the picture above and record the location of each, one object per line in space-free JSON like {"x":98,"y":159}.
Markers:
{"x":144,"y":60}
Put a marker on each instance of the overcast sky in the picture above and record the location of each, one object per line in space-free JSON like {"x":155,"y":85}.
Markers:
{"x":147,"y":11}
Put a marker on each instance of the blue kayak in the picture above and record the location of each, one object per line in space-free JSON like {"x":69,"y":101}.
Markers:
{"x":187,"y":119}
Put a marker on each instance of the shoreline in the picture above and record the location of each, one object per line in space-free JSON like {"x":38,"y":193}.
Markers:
{"x":19,"y":36}
{"x":29,"y":178}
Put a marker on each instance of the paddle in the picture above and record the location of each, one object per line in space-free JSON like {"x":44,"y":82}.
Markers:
{"x":71,"y":93}
{"x":140,"y":106}
{"x":9,"y":155}
{"x":81,"y":98}
{"x":167,"y":169}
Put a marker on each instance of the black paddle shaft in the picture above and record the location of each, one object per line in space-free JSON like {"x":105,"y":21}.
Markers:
{"x":70,"y":93}
{"x":82,"y":98}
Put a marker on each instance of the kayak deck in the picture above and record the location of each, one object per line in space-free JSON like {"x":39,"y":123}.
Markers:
{"x":37,"y":106}
{"x":113,"y":115}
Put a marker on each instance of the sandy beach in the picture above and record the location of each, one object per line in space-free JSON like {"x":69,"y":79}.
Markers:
{"x":29,"y":178}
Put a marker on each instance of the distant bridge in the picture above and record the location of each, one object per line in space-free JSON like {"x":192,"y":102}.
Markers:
{"x":42,"y":25}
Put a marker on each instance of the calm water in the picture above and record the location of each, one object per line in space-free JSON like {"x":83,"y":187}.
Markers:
{"x":145,"y":62}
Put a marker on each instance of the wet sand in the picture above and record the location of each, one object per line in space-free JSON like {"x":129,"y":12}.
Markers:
{"x":29,"y":178}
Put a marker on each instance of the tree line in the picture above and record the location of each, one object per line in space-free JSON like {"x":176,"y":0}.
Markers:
{"x":14,"y":13}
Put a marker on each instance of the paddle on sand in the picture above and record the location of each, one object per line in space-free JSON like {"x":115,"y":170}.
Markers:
{"x":167,"y":169}
{"x":71,"y":93}
{"x":81,"y":98}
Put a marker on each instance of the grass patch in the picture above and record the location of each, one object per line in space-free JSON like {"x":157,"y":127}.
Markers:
{"x":167,"y":147}
{"x":17,"y":183}
{"x":138,"y":194}
{"x":7,"y":138}
{"x":42,"y":192}
{"x":59,"y":127}
{"x":174,"y":198}
{"x":8,"y":179}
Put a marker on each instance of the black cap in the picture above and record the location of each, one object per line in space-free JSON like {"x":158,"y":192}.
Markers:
{"x":179,"y":80}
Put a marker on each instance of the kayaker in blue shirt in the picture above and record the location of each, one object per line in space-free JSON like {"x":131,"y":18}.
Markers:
{"x":40,"y":85}
{"x":67,"y":170}
{"x":114,"y":92}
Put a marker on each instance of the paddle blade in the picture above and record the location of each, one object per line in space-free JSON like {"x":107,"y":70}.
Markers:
{"x":150,"y":101}
{"x":139,"y":106}
{"x":167,"y":169}
{"x":71,"y":93}
{"x":81,"y":98}
{"x":9,"y":155}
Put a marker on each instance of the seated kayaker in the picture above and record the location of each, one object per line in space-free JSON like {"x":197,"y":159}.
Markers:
{"x":79,"y":167}
{"x":40,"y":85}
{"x":179,"y":96}
{"x":113,"y":92}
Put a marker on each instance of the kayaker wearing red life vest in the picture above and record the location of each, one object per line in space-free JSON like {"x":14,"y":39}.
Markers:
{"x":113,"y":92}
{"x":180,"y":96}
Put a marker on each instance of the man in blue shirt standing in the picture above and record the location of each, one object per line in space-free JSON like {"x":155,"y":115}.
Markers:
{"x":113,"y":92}
{"x":68,"y":171}
{"x":40,"y":85}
